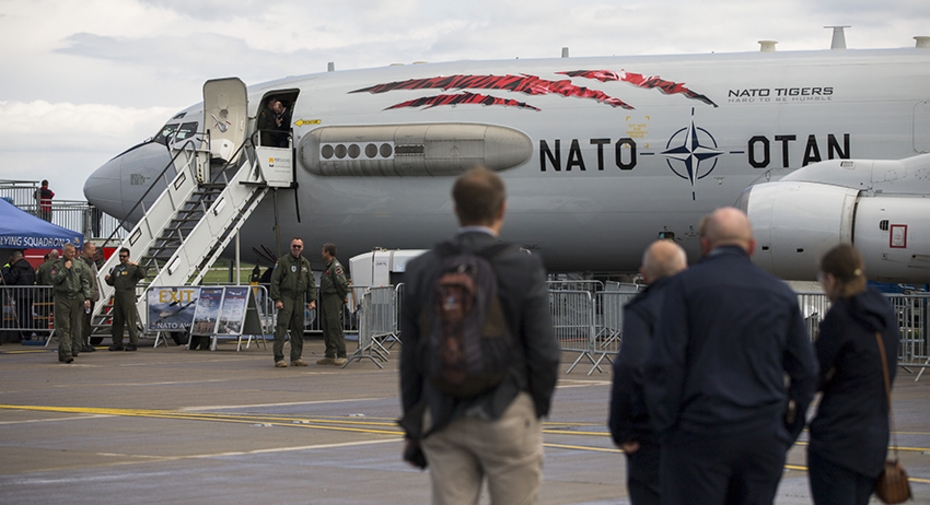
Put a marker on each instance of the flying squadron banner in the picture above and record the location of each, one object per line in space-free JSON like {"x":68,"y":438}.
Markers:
{"x":172,"y":308}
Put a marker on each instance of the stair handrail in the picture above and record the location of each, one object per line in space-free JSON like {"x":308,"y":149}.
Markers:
{"x":155,"y":181}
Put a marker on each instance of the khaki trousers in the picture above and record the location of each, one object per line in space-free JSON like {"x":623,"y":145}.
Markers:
{"x":508,"y":452}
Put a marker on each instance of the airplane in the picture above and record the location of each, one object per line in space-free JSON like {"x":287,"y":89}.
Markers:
{"x":600,"y":155}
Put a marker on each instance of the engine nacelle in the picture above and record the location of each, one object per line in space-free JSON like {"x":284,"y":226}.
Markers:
{"x":795,"y":222}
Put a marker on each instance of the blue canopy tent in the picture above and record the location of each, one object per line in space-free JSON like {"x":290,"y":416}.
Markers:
{"x":21,"y":230}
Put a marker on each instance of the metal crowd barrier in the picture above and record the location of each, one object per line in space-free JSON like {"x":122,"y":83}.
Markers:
{"x":914,"y":349}
{"x":609,"y":311}
{"x":814,"y":307}
{"x":26,"y":312}
{"x":587,"y":323}
{"x":575,"y":285}
{"x":591,"y":324}
{"x":572,"y":314}
{"x":378,"y":324}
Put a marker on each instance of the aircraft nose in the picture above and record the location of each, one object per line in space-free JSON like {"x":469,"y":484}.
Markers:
{"x":118,"y":185}
{"x":103,"y":190}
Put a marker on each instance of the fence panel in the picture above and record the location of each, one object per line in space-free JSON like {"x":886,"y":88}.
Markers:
{"x":814,"y":307}
{"x":609,"y":330}
{"x":578,"y":285}
{"x":26,"y":312}
{"x":914,"y":347}
{"x":572,"y":315}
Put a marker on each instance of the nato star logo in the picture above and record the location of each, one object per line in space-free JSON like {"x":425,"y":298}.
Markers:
{"x":691,"y":153}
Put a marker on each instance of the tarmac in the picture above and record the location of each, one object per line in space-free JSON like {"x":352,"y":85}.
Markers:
{"x":173,"y":426}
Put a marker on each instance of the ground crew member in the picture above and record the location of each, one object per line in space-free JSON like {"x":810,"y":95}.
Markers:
{"x":87,"y":256}
{"x":71,"y":281}
{"x":44,"y":296}
{"x":42,"y":273}
{"x":124,"y":278}
{"x":291,"y":280}
{"x":333,"y":288}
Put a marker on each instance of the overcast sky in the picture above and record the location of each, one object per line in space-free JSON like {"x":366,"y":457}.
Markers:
{"x":80,"y":81}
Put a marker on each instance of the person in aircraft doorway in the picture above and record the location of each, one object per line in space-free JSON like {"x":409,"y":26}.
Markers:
{"x":273,"y":123}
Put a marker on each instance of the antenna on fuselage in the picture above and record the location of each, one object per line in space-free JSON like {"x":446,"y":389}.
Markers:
{"x":331,"y":66}
{"x":565,"y":52}
{"x":839,"y":37}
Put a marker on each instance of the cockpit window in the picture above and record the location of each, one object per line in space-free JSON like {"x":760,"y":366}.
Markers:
{"x":172,"y":132}
{"x":166,"y":132}
{"x":186,"y":131}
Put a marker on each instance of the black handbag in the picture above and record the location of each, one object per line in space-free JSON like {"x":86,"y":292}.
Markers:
{"x":892,"y":485}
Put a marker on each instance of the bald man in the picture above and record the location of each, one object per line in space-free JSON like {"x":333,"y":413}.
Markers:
{"x":715,"y":378}
{"x":629,"y":421}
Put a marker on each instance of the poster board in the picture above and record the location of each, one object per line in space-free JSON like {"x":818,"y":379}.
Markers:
{"x":171,"y":308}
{"x":207,"y":312}
{"x":232,"y":314}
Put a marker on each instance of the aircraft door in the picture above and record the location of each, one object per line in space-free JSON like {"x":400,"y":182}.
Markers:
{"x":922,"y":127}
{"x":225,"y":113}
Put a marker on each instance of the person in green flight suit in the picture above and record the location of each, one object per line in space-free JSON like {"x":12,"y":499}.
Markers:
{"x":291,"y":280}
{"x":124,"y":278}
{"x":71,"y":282}
{"x":333,"y":289}
{"x":87,"y":256}
{"x":43,"y":278}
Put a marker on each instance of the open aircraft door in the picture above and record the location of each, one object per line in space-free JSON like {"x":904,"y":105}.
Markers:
{"x":225,"y":115}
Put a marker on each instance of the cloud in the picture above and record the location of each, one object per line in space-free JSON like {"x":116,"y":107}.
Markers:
{"x":65,"y":142}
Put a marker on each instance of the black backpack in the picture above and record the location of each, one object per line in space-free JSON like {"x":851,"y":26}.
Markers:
{"x":468,"y":346}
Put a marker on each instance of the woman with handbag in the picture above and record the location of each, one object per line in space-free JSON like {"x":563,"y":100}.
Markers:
{"x":849,"y":435}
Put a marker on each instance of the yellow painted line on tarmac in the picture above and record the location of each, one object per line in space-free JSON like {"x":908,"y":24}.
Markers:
{"x":583,"y":448}
{"x":165,"y":414}
{"x":900,"y":448}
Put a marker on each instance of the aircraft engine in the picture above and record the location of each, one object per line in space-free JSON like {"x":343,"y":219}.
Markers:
{"x":795,"y":222}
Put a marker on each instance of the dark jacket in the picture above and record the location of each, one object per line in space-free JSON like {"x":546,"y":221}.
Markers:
{"x":851,"y":426}
{"x":629,"y":419}
{"x":729,"y":333}
{"x":271,"y":134}
{"x":522,"y":290}
{"x":20,"y":273}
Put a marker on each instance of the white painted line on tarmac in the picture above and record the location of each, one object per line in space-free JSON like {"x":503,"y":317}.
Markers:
{"x":570,"y":383}
{"x":292,"y":449}
{"x":73,"y":418}
{"x":284,"y":404}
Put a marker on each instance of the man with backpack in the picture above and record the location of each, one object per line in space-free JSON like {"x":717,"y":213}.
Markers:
{"x":479,"y":361}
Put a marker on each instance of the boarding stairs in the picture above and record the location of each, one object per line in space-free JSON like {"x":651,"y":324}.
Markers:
{"x":201,"y":210}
